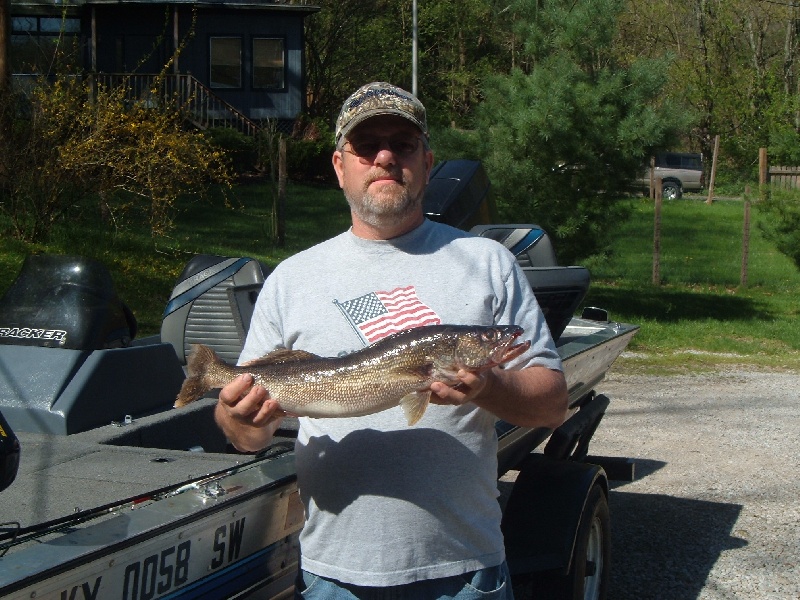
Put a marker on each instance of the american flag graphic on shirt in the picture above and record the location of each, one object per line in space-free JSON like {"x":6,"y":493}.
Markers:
{"x":378,"y":314}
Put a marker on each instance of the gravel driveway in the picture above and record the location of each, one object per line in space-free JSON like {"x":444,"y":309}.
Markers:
{"x":715,"y":508}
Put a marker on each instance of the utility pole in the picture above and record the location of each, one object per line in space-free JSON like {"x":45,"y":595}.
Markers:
{"x":414,"y":48}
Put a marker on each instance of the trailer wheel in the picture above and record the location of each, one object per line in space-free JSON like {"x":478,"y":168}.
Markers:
{"x":588,"y":576}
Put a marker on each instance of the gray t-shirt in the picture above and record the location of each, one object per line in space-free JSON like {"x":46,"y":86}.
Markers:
{"x":386,"y":503}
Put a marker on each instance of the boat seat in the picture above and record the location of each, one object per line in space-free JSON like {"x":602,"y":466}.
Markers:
{"x":212,"y":304}
{"x":558,"y":290}
{"x":529,"y":243}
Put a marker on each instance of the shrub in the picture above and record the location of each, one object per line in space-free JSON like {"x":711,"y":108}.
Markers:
{"x":309,"y":150}
{"x":76,"y":143}
{"x":242,"y":150}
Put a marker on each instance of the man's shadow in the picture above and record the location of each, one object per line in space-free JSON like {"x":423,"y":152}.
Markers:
{"x":664,"y":546}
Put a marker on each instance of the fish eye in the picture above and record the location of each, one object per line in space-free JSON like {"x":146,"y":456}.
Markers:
{"x":490,"y":335}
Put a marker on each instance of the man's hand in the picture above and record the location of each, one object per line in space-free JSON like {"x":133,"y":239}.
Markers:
{"x":247,"y":415}
{"x":533,"y":397}
{"x":471,"y":386}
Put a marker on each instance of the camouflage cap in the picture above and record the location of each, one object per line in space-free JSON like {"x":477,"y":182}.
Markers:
{"x":379,"y":98}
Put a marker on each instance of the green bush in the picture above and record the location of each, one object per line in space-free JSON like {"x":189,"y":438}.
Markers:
{"x":310,"y":161}
{"x":241,"y":150}
{"x":77,"y":145}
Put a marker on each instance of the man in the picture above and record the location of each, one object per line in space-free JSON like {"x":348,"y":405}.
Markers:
{"x":410,"y":512}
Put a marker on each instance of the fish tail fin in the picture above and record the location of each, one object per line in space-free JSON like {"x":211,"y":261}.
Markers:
{"x":414,"y":405}
{"x":197,"y":383}
{"x":192,"y":389}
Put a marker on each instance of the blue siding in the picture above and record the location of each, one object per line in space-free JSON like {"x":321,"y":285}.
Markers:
{"x":138,"y":37}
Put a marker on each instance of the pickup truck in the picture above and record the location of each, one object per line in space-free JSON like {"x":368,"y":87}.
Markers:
{"x":679,"y":172}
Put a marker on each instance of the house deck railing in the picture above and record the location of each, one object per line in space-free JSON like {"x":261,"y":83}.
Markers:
{"x":200,"y":104}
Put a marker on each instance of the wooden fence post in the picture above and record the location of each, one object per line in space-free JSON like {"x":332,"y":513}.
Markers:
{"x":282,"y":177}
{"x":763,"y":172}
{"x":745,"y":238}
{"x":657,"y":234}
{"x":713,"y":174}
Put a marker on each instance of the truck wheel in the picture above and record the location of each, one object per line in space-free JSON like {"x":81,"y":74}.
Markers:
{"x":588,"y":576}
{"x":671,"y":191}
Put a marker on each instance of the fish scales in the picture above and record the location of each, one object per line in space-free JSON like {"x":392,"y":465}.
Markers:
{"x":396,"y":370}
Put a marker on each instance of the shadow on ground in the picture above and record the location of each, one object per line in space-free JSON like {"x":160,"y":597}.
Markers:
{"x":663,"y":546}
{"x":668,"y":306}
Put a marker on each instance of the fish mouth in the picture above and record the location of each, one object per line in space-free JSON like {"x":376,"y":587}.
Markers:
{"x":512,"y":352}
{"x":508,"y":350}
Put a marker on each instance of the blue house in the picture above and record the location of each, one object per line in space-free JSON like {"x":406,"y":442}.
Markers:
{"x":232,"y":62}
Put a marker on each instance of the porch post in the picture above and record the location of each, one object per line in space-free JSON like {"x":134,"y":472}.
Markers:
{"x":94,"y":41}
{"x":5,"y":45}
{"x":175,"y":40}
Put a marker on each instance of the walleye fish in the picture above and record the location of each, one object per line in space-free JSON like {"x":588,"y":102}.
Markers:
{"x":396,"y":370}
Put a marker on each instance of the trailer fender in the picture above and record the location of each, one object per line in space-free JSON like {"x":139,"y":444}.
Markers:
{"x":541,"y":519}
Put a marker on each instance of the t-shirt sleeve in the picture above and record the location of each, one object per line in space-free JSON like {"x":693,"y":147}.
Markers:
{"x":264,"y":334}
{"x":520,"y":307}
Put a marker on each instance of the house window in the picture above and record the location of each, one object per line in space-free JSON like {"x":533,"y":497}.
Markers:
{"x":226,"y":62}
{"x":268,"y":63}
{"x":42,"y":44}
{"x":56,"y":25}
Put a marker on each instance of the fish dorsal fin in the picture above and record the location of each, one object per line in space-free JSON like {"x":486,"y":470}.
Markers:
{"x":280,"y":356}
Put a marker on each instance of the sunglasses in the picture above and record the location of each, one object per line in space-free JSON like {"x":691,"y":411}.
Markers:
{"x":368,"y":147}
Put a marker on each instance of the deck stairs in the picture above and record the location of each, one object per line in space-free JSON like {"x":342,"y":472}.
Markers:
{"x":202,"y":107}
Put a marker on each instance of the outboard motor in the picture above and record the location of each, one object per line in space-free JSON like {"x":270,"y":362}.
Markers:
{"x":64,"y":302}
{"x":66,"y":351}
{"x":458,"y":194}
{"x":9,"y":454}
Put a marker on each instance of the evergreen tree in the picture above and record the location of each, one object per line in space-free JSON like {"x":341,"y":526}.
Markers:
{"x":567,"y":130}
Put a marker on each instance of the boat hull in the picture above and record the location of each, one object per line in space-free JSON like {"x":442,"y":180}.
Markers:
{"x":233,"y":533}
{"x":213,"y":539}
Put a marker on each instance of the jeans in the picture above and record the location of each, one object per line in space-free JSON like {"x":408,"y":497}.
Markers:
{"x":492,"y":583}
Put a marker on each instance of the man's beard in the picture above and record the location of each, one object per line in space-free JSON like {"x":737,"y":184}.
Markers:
{"x":378,"y":210}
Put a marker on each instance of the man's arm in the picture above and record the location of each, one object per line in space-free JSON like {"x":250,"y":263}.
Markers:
{"x":247,"y":415}
{"x":532,"y":397}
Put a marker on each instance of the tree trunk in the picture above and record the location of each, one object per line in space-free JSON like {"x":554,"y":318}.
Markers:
{"x":5,"y":45}
{"x":6,"y":105}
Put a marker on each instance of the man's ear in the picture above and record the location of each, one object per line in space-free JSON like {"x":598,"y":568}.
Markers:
{"x":337,"y":160}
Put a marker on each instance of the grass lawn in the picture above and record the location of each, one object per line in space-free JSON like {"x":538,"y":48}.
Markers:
{"x":700,"y":316}
{"x":145,"y":269}
{"x":697,"y":319}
